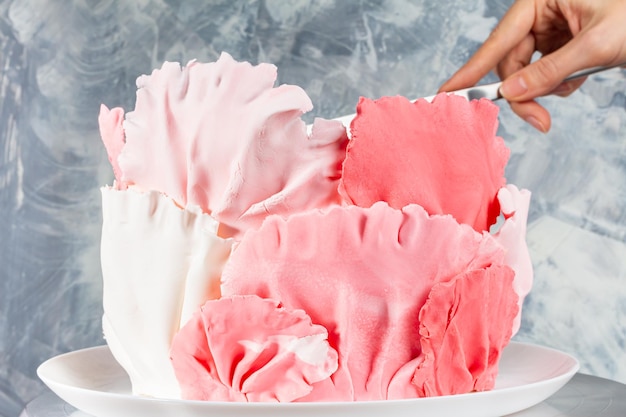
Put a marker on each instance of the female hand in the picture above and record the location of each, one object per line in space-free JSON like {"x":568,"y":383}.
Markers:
{"x":570,"y":35}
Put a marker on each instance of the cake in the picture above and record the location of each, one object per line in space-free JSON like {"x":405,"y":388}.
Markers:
{"x":248,"y":257}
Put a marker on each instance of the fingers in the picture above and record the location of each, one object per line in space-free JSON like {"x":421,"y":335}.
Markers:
{"x":512,"y":29}
{"x":568,"y":87}
{"x":570,"y":37}
{"x":533,"y":113}
{"x":517,"y":58}
{"x":593,"y":46}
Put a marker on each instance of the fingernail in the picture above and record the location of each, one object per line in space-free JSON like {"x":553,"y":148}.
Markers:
{"x":534,"y":122}
{"x":513,"y":87}
{"x":563,"y":88}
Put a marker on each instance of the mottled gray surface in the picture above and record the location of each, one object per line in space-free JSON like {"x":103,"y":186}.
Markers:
{"x":60,"y":59}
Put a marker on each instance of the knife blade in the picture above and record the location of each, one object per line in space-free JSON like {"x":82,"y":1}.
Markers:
{"x":492,"y":91}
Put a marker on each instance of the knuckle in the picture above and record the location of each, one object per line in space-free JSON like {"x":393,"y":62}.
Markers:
{"x":547,"y":69}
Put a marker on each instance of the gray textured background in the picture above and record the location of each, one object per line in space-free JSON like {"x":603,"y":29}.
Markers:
{"x":60,"y":59}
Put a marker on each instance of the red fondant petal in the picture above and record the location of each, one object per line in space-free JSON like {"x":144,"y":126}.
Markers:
{"x":442,"y":155}
{"x":464,"y":326}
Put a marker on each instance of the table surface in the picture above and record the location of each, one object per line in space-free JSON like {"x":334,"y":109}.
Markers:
{"x":583,"y":396}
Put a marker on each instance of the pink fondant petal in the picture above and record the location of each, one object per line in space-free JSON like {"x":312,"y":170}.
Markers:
{"x":464,"y":326}
{"x":250,"y":349}
{"x":112,"y":133}
{"x":362,"y":273}
{"x":220,"y":136}
{"x":442,"y":155}
{"x":512,"y":236}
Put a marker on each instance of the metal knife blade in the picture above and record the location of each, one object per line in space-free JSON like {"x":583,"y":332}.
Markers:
{"x":492,"y":91}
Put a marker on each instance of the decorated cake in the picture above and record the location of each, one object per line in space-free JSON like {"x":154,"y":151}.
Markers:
{"x":249,"y":257}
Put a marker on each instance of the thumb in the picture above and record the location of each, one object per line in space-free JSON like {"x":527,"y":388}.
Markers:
{"x":542,"y":76}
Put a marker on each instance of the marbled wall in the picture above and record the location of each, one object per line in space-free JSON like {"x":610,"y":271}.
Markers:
{"x":60,"y":59}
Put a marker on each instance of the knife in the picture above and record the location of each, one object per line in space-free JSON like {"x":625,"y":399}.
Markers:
{"x":492,"y":91}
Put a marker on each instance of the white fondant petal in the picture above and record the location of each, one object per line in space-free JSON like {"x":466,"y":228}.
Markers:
{"x":159,"y":264}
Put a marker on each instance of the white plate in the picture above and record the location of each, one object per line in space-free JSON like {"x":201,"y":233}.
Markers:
{"x":93,"y":382}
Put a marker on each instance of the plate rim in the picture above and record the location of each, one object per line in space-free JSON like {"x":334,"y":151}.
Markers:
{"x":60,"y":388}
